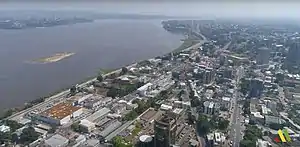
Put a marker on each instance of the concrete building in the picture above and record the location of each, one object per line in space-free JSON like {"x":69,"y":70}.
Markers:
{"x":211,"y":108}
{"x":86,"y":125}
{"x":208,"y":76}
{"x":293,"y":55}
{"x":256,"y":87}
{"x":59,"y":114}
{"x":57,"y":141}
{"x":225,"y":102}
{"x":263,"y":55}
{"x":98,"y":115}
{"x":110,"y":128}
{"x":4,"y":128}
{"x":142,"y":90}
{"x":165,"y":131}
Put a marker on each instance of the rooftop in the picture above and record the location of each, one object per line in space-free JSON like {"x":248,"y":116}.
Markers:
{"x":60,"y":110}
{"x":56,"y":140}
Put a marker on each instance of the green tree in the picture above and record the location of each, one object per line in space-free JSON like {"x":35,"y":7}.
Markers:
{"x":28,"y":135}
{"x":73,"y":90}
{"x":124,"y":70}
{"x":244,"y":85}
{"x":100,"y":78}
{"x":119,"y":142}
{"x":13,"y":125}
{"x":76,"y":127}
{"x":175,"y":75}
{"x":279,"y":78}
{"x":203,"y":125}
{"x":247,"y":143}
{"x":223,"y":124}
{"x":112,"y":92}
{"x":5,"y":137}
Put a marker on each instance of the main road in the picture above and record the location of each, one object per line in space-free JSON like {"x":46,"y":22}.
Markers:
{"x":235,"y":132}
{"x":56,"y":97}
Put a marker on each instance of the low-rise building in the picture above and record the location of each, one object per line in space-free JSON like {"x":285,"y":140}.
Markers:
{"x":225,"y":103}
{"x":86,"y":125}
{"x":59,"y":114}
{"x":4,"y":128}
{"x":57,"y":141}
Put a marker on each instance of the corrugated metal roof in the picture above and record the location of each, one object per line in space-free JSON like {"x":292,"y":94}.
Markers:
{"x":98,"y":114}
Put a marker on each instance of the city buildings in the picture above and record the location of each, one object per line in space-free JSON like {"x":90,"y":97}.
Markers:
{"x":263,"y":55}
{"x":59,"y":114}
{"x":164,"y":131}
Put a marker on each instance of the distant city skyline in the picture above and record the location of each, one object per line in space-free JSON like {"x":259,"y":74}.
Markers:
{"x":203,"y":8}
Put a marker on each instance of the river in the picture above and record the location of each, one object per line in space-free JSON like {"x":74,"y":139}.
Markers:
{"x":102,"y":44}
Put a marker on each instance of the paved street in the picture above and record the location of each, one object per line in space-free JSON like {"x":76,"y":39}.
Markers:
{"x":236,"y":118}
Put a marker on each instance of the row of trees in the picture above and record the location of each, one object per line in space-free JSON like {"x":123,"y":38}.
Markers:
{"x":123,"y":90}
{"x":27,"y":136}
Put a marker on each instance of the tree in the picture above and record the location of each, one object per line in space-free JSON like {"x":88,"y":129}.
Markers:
{"x":28,"y":135}
{"x":76,"y":127}
{"x":13,"y":125}
{"x":124,"y":70}
{"x":244,"y":86}
{"x":5,"y":137}
{"x":112,"y":92}
{"x":203,"y":126}
{"x":279,"y":78}
{"x":73,"y":90}
{"x":119,"y":142}
{"x":100,"y":78}
{"x":175,"y":75}
{"x":181,"y":93}
{"x":223,"y":124}
{"x":247,"y":143}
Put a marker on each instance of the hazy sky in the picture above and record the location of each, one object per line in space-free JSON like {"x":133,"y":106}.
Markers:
{"x":217,"y":8}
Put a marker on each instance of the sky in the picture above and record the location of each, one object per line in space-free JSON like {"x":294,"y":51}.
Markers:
{"x":201,"y":8}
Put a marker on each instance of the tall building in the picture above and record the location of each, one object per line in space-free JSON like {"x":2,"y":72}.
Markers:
{"x":208,"y":76}
{"x":263,"y":55}
{"x":293,"y":55}
{"x":165,"y":131}
{"x":256,"y":87}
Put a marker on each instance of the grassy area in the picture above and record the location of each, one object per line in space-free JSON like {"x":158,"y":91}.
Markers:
{"x":186,"y":43}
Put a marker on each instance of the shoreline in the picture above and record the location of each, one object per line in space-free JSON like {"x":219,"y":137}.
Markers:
{"x":16,"y":111}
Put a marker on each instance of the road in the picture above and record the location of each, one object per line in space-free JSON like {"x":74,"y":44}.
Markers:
{"x":56,"y":97}
{"x":235,"y":132}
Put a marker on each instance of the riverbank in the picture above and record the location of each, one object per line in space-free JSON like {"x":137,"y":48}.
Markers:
{"x":11,"y":113}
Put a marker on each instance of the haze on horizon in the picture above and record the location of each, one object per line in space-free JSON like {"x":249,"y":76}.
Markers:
{"x":214,"y":9}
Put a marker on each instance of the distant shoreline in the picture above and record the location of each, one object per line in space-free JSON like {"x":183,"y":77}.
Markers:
{"x":54,"y":58}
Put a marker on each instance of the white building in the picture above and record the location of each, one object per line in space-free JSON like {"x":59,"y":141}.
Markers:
{"x":165,"y":107}
{"x":4,"y":128}
{"x":144,"y":88}
{"x":59,"y":114}
{"x":87,"y":125}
